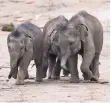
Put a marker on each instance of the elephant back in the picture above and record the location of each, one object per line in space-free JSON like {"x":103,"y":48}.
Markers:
{"x":53,"y":24}
{"x":29,"y":29}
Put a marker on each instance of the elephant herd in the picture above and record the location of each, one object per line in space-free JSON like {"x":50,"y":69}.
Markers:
{"x":57,"y":47}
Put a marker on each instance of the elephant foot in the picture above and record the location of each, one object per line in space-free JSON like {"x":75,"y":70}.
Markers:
{"x":87,"y":76}
{"x":38,"y":80}
{"x":94,"y":78}
{"x":85,"y":81}
{"x":20,"y":82}
{"x":49,"y":77}
{"x":74,"y":80}
{"x":27,"y":76}
{"x":44,"y":75}
{"x":56,"y":77}
{"x":65,"y":73}
{"x":20,"y":77}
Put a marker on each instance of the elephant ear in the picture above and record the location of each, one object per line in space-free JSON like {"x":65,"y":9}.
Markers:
{"x":83,"y":31}
{"x":28,"y":42}
{"x":52,"y":35}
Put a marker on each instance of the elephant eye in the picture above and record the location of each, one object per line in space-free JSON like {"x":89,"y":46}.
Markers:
{"x":70,"y":42}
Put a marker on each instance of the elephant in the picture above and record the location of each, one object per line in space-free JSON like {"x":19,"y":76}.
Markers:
{"x":25,"y":43}
{"x":83,"y":35}
{"x":51,"y":56}
{"x":65,"y":73}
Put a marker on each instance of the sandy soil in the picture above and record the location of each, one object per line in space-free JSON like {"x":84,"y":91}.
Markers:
{"x":38,"y":12}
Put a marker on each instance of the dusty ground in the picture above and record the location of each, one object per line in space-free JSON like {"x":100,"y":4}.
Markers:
{"x":38,"y":12}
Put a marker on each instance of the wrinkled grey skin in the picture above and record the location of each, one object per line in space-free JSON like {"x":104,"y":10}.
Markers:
{"x":83,"y":35}
{"x":21,"y":45}
{"x":51,"y":57}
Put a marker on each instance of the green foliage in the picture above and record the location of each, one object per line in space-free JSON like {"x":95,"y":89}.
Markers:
{"x":8,"y":27}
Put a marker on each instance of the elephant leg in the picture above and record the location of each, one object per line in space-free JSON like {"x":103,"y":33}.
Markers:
{"x":24,"y":63}
{"x":95,"y":68}
{"x":52,"y":61}
{"x":56,"y":70}
{"x":65,"y":73}
{"x":39,"y":71}
{"x":20,"y":77}
{"x":85,"y":66}
{"x":15,"y":74}
{"x":73,"y":60}
{"x":27,"y":75}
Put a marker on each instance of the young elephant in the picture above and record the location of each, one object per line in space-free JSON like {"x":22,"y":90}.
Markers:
{"x":51,"y":49}
{"x":83,"y":35}
{"x":24,"y":44}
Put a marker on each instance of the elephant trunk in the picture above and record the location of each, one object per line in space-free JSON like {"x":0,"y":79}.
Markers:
{"x":64,"y":61}
{"x":45,"y":66}
{"x":45,"y":57}
{"x":14,"y":67}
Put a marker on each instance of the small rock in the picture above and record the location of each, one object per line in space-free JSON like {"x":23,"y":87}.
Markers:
{"x":30,"y":2}
{"x":8,"y":27}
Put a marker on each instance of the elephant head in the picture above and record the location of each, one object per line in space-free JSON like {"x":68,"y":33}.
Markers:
{"x":70,"y":40}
